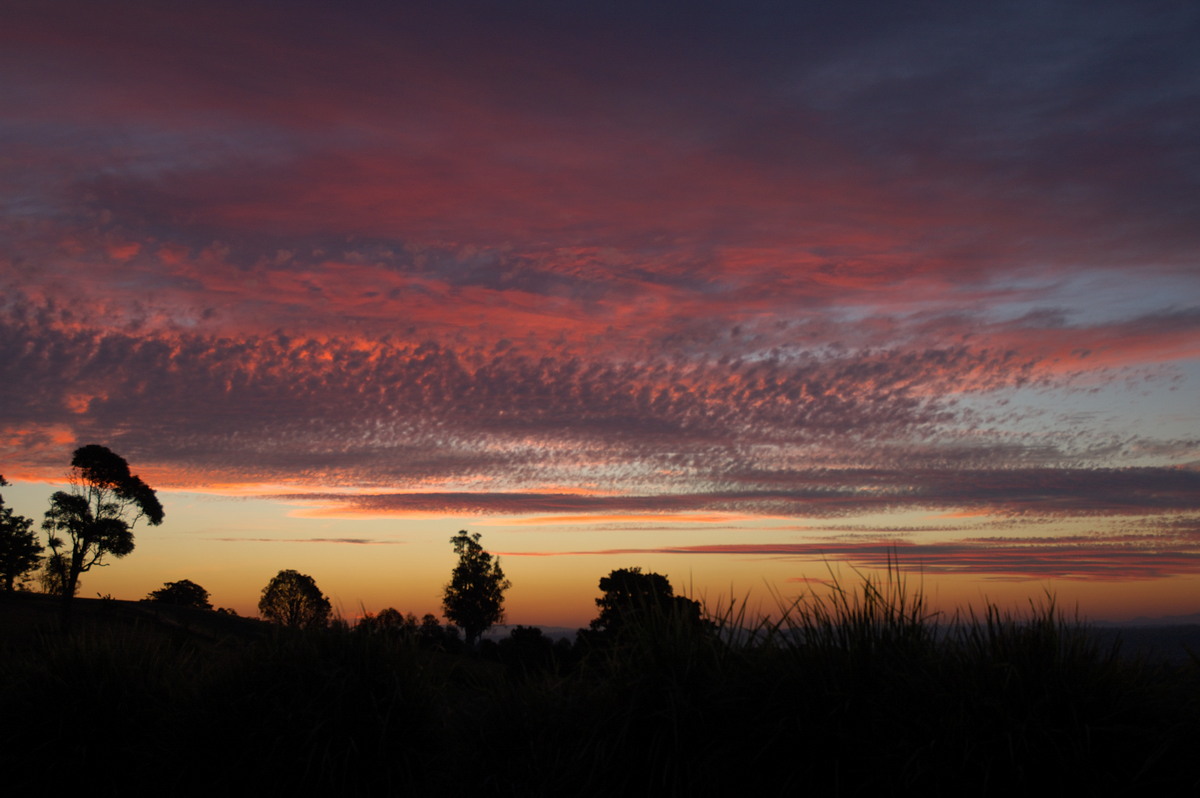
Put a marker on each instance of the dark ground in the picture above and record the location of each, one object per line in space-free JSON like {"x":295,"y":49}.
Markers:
{"x":22,"y":613}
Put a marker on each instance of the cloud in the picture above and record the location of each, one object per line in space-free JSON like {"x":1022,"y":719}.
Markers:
{"x":819,"y":431}
{"x":786,"y":262}
{"x":1081,"y":559}
{"x":892,"y":152}
{"x":348,"y":541}
{"x":1036,"y":493}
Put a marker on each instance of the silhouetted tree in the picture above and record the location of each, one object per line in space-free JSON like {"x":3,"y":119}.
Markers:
{"x":431,"y":634}
{"x":431,"y":630}
{"x":293,"y":599}
{"x":184,"y":593}
{"x":526,"y":649}
{"x":474,"y":598}
{"x":630,"y":595}
{"x":389,"y":621}
{"x":20,"y":551}
{"x":391,"y":618}
{"x":97,"y":514}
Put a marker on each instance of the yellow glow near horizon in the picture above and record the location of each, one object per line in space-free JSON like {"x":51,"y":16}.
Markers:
{"x":232,"y":546}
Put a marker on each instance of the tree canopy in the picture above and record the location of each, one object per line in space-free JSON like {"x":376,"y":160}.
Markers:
{"x":98,"y":513}
{"x":20,"y":551}
{"x":630,"y":595}
{"x":474,"y":598}
{"x":184,"y":593}
{"x":293,"y":599}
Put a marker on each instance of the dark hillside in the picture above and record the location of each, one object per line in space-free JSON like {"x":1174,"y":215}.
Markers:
{"x":24,"y":615}
{"x":853,"y":699}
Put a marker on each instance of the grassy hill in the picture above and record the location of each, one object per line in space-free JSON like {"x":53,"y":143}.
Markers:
{"x":853,"y":698}
{"x":26,"y":615}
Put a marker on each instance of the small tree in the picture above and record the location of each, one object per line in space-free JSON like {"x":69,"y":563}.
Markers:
{"x":184,"y":593}
{"x":97,"y":514}
{"x":293,"y":599}
{"x":20,"y":551}
{"x":474,"y":598}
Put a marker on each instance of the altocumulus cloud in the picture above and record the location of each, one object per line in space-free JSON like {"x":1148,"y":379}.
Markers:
{"x":607,"y":260}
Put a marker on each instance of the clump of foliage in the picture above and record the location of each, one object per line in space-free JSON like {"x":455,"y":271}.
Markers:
{"x":629,"y":598}
{"x":294,"y":600}
{"x":184,"y":593}
{"x":53,"y":575}
{"x":20,"y":551}
{"x":426,"y":632}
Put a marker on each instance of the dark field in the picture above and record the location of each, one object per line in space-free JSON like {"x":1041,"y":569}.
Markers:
{"x":854,"y":695}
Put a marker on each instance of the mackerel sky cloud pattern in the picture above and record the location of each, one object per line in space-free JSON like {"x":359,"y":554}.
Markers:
{"x":618,"y":260}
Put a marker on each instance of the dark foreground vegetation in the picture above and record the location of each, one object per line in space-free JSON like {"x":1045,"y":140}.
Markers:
{"x":856,"y":693}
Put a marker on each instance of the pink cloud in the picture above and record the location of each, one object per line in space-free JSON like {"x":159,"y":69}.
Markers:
{"x":1063,"y":559}
{"x":676,"y":271}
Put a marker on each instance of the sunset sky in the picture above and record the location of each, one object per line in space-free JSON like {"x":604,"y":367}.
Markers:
{"x":744,"y":294}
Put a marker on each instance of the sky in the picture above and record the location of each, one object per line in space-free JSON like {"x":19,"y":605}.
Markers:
{"x":753,"y":295}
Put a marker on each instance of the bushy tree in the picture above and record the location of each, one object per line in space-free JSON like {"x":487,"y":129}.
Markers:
{"x":630,"y":595}
{"x":97,"y":514}
{"x":184,"y":593}
{"x":474,"y":598}
{"x":526,"y":649}
{"x":427,"y":632}
{"x":20,"y":551}
{"x":293,"y":599}
{"x":391,"y":618}
{"x":390,"y":622}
